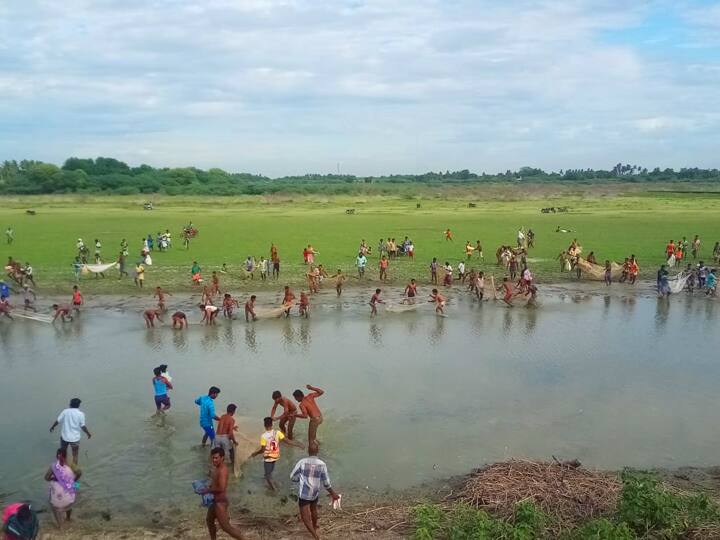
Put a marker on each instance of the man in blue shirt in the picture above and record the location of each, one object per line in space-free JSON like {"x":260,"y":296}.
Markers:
{"x":207,"y":414}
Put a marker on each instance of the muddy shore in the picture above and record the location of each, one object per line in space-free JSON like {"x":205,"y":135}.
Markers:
{"x":384,"y":518}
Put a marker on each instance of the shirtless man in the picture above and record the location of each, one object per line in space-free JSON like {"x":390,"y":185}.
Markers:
{"x":288,"y":299}
{"x":287,"y":418}
{"x":225,"y":435}
{"x":210,"y":313}
{"x":339,"y":281}
{"x":275,"y":259}
{"x":250,"y":309}
{"x":374,"y":301}
{"x":179,"y":319}
{"x":410,"y":292}
{"x":304,"y":305}
{"x":309,"y":409}
{"x":439,"y":301}
{"x":215,"y":280}
{"x":218,"y":510}
{"x":506,"y":286}
{"x":160,"y":295}
{"x":150,"y":315}
{"x":207,"y":295}
{"x":228,"y":304}
{"x":62,"y":311}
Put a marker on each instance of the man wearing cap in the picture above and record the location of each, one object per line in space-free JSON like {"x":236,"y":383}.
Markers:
{"x":72,"y":424}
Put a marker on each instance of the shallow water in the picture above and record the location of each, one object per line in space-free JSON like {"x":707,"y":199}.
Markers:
{"x":410,"y":397}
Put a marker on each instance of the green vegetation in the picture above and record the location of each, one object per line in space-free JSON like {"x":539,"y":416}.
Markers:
{"x":612,"y":224}
{"x":647,"y":509}
{"x":108,"y":175}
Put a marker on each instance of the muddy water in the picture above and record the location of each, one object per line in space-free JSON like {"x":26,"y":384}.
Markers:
{"x":409,"y":397}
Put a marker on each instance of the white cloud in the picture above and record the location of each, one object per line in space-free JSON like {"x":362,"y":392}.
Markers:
{"x":380,"y":85}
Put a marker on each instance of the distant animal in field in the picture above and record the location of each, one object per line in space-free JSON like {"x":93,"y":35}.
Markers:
{"x":350,"y":211}
{"x":472,"y":205}
{"x":30,"y":212}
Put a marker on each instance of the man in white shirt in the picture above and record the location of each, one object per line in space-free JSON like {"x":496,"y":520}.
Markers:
{"x":461,"y":272}
{"x":361,"y":263}
{"x":72,"y":424}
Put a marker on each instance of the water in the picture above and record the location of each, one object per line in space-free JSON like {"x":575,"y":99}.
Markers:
{"x":409,"y":397}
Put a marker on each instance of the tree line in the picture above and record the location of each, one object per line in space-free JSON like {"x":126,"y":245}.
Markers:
{"x":111,"y":176}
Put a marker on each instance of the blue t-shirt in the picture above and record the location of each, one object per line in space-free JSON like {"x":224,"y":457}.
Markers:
{"x":4,"y":290}
{"x":207,"y":410}
{"x":160,"y":386}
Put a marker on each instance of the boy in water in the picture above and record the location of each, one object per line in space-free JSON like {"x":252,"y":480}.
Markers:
{"x":250,"y":309}
{"x":179,"y":318}
{"x":77,"y":299}
{"x":506,"y":286}
{"x":150,"y":315}
{"x":339,"y":281}
{"x":439,"y":301}
{"x":210,"y":313}
{"x":309,"y":409}
{"x":5,"y":307}
{"x":139,"y":275}
{"x":287,"y":418}
{"x":29,"y":298}
{"x":218,"y":510}
{"x":711,"y":283}
{"x":374,"y":301}
{"x":270,"y":449}
{"x":160,"y":295}
{"x":215,"y":281}
{"x":207,"y":413}
{"x":410,"y":292}
{"x":225,"y":436}
{"x":304,"y":305}
{"x":608,"y":273}
{"x":480,"y":285}
{"x":161,"y":386}
{"x":62,"y":311}
{"x":288,"y":299}
{"x":228,"y":304}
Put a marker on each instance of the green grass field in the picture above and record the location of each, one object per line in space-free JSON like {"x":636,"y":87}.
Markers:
{"x":613,"y":225}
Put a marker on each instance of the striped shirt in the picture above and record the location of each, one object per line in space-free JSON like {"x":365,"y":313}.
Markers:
{"x":310,"y":473}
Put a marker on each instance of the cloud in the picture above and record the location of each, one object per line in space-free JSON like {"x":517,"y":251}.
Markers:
{"x":295,"y":86}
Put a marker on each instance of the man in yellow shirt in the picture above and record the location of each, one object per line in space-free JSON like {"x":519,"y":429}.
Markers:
{"x":270,"y":449}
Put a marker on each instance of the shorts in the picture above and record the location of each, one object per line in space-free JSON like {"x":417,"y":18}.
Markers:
{"x":305,"y":502}
{"x":224,"y":442}
{"x":269,"y":467}
{"x":276,"y":266}
{"x":64,"y":444}
{"x":162,"y":400}
{"x":209,"y":431}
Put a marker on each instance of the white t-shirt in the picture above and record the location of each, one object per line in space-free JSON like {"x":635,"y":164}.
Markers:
{"x":461,"y":268}
{"x":71,"y":421}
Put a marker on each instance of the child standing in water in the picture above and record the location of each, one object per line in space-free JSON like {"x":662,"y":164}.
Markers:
{"x":161,"y":386}
{"x":439,"y":301}
{"x":608,"y":274}
{"x":374,"y":301}
{"x":507,"y":288}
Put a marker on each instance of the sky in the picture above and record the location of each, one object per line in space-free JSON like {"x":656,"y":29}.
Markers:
{"x":367,"y":87}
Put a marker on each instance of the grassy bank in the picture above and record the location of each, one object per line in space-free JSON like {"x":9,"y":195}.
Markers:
{"x":611,"y":221}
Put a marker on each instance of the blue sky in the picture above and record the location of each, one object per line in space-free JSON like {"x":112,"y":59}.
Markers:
{"x":378,"y":86}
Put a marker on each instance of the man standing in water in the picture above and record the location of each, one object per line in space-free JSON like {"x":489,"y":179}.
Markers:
{"x":218,"y":510}
{"x":309,"y":473}
{"x":287,"y":418}
{"x":309,"y":409}
{"x":72,"y":424}
{"x":207,"y":414}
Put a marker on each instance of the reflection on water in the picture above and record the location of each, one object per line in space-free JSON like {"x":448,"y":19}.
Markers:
{"x":576,"y":377}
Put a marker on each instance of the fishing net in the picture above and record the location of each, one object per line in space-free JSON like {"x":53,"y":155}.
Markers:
{"x":677,"y":283}
{"x":597,"y":272}
{"x":97,"y":268}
